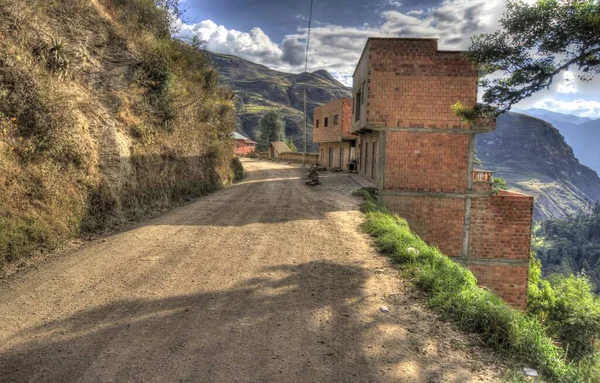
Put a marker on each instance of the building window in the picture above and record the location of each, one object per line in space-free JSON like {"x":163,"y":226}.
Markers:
{"x":362,"y":99}
{"x":317,"y":125}
{"x":336,"y":120}
{"x":325,"y":123}
{"x":358,"y":101}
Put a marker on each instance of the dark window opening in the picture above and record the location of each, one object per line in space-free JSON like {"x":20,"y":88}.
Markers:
{"x":317,"y":125}
{"x":373,"y":154}
{"x":325,"y":123}
{"x":357,"y":106}
{"x":336,"y":120}
{"x":362,"y":89}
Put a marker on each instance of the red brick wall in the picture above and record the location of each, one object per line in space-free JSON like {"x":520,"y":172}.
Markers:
{"x":439,"y":221}
{"x":508,"y":282}
{"x":241,"y":148}
{"x":433,"y":162}
{"x":412,"y":84}
{"x":501,"y":230}
{"x":332,"y":133}
{"x":501,"y":226}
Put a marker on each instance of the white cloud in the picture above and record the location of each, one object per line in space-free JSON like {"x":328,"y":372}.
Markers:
{"x":254,"y":45}
{"x":393,"y":3}
{"x":338,"y":48}
{"x":582,"y":108}
{"x":568,"y":85}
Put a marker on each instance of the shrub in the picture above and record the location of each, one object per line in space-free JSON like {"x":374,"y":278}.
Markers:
{"x":57,"y":59}
{"x":237,"y":168}
{"x":452,"y":291}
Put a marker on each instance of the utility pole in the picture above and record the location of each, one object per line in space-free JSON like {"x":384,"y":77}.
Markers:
{"x":304,"y":156}
{"x":306,"y":72}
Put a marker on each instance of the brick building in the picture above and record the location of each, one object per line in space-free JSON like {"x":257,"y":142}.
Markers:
{"x":332,"y":129}
{"x":242,"y":146}
{"x":420,"y":155}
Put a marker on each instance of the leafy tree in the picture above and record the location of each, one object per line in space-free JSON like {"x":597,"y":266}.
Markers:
{"x":534,"y":43}
{"x":272,"y":129}
{"x":291,"y":145}
{"x":498,"y":184}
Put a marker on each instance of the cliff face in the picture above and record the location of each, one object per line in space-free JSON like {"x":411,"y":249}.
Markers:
{"x":103,"y":118}
{"x":535,"y":159}
{"x":260,"y":90}
{"x":581,"y":133}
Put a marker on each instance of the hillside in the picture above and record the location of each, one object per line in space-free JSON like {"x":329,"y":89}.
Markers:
{"x":581,"y":133}
{"x":535,"y":159}
{"x":103,"y":118}
{"x":260,"y":90}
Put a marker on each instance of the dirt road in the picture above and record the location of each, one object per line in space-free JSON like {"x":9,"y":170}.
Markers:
{"x":267,"y":281}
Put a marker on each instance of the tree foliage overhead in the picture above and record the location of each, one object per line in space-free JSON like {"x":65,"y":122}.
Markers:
{"x":534,"y":43}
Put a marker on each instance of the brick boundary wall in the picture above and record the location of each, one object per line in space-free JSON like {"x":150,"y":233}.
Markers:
{"x":498,"y":233}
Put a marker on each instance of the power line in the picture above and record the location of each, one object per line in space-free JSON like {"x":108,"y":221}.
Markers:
{"x":306,"y":70}
{"x":308,"y":36}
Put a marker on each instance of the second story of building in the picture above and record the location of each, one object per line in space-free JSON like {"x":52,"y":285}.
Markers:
{"x":333,"y":122}
{"x":409,"y":83}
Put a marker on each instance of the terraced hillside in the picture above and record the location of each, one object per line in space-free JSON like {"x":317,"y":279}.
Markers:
{"x":260,"y":90}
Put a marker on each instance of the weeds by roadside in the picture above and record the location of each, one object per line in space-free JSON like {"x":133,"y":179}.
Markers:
{"x":453,"y":292}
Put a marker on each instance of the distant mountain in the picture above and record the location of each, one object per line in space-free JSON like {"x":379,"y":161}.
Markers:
{"x":260,"y":90}
{"x":555,"y":117}
{"x":530,"y":153}
{"x":534,"y":158}
{"x":581,"y":133}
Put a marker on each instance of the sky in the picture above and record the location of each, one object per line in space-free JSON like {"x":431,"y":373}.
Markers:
{"x":273,"y":33}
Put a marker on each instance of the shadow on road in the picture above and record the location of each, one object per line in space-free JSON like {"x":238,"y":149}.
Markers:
{"x":296,"y":320}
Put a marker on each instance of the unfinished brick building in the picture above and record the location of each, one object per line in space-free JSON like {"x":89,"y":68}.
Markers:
{"x":332,"y":129}
{"x":420,"y":155}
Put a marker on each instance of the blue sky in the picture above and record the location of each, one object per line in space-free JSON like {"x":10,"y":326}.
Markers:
{"x":273,"y":33}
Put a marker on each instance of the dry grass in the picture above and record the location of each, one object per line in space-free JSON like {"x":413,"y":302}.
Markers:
{"x":103,"y":118}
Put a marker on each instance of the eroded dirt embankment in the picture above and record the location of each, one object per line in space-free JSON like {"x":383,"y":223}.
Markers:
{"x":267,"y":281}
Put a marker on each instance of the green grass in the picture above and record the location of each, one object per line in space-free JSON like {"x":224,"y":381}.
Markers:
{"x":452,"y":291}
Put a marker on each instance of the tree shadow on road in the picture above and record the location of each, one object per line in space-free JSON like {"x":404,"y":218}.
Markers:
{"x":296,"y":323}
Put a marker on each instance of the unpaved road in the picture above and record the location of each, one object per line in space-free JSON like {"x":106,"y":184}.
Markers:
{"x":267,"y":281}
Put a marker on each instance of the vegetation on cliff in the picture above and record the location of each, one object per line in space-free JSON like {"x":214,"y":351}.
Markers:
{"x":571,"y":245}
{"x":103,"y":118}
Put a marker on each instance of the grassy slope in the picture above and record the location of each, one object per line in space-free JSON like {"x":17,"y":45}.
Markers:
{"x":453,"y":292}
{"x":103,"y":118}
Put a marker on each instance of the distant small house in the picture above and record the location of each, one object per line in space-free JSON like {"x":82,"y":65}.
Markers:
{"x":243,"y":145}
{"x":277,"y":148}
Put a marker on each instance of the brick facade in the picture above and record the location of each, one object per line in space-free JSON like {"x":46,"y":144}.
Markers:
{"x":332,"y":129}
{"x":337,"y":129}
{"x":426,"y":162}
{"x":420,"y":155}
{"x":244,"y":147}
{"x":335,"y":154}
{"x":437,"y":220}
